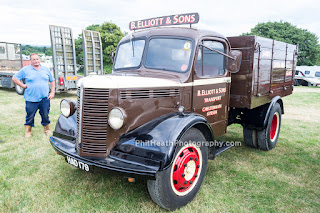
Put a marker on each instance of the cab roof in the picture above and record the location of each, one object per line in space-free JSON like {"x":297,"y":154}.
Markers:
{"x":193,"y":33}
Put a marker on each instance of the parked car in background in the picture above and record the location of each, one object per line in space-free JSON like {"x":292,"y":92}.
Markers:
{"x":307,"y":76}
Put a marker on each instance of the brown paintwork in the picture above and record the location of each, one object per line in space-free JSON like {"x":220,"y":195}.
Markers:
{"x":219,"y":121}
{"x":250,"y":87}
{"x":140,"y":111}
{"x":263,"y":72}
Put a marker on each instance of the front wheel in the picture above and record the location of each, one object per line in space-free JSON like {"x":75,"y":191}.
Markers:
{"x":178,"y":184}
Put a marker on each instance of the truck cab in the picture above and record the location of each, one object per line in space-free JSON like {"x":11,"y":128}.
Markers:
{"x":178,"y":66}
{"x":158,"y":114}
{"x":10,"y":64}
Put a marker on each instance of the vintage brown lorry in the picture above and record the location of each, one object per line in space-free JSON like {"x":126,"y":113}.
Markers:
{"x":172,"y":92}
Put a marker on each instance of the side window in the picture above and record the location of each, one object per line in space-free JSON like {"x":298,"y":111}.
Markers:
{"x":210,"y":63}
{"x":307,"y":72}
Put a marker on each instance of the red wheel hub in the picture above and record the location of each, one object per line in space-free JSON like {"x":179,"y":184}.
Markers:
{"x":186,"y":169}
{"x":274,"y":127}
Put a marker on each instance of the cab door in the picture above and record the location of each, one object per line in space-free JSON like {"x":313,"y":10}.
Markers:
{"x":211,"y":84}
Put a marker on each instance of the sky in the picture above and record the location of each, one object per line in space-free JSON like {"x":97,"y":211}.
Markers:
{"x":27,"y":22}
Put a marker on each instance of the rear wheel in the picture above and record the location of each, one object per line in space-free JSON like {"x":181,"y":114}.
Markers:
{"x":177,"y":185}
{"x":267,"y":138}
{"x":250,"y":137}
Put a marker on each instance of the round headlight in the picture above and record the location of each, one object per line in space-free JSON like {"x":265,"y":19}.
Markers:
{"x":116,"y":118}
{"x":67,"y":108}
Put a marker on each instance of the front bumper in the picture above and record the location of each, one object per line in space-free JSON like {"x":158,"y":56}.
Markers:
{"x":117,"y":162}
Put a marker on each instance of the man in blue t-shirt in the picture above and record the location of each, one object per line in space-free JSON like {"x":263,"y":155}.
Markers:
{"x":36,"y":92}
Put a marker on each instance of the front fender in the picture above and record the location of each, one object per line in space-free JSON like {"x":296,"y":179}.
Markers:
{"x":154,"y":140}
{"x":157,"y":139}
{"x":66,"y":127}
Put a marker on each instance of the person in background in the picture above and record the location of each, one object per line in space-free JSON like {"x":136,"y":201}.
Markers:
{"x":36,"y":93}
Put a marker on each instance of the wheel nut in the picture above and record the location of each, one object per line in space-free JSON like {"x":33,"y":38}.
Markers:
{"x":185,"y":165}
{"x":190,"y":182}
{"x":191,"y":158}
{"x":196,"y":159}
{"x":183,"y":175}
{"x":196,"y":175}
{"x":185,"y":182}
{"x":198,"y":166}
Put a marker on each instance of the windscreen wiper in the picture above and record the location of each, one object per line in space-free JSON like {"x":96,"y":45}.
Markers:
{"x":217,"y":51}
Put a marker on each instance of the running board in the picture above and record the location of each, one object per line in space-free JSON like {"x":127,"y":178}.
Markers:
{"x":219,"y":150}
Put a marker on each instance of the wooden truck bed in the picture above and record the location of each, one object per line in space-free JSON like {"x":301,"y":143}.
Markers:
{"x":267,"y":70}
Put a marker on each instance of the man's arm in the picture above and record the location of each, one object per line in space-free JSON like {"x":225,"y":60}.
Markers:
{"x":53,"y":89}
{"x":19,"y":83}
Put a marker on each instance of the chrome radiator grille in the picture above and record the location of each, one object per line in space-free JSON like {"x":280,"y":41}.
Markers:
{"x":92,"y":122}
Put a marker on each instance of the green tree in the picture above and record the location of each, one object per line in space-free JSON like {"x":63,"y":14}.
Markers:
{"x":26,"y":52}
{"x":93,"y":27}
{"x":309,"y":48}
{"x":110,"y":36}
{"x":28,"y":49}
{"x":79,"y":52}
{"x":48,"y":52}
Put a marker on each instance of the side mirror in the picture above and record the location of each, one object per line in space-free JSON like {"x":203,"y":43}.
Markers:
{"x":234,"y":62}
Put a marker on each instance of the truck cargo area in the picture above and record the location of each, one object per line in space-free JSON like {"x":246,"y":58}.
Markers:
{"x":267,"y":70}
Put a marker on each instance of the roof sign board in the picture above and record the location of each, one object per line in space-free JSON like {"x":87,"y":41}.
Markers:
{"x":188,"y":18}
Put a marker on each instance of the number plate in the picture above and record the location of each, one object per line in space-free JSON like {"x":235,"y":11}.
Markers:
{"x":76,"y":163}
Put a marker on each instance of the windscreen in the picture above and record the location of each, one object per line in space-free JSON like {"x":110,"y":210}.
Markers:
{"x":171,"y":54}
{"x":129,"y":54}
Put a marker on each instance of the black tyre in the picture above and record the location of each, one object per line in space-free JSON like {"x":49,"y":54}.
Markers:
{"x":19,"y":89}
{"x":304,"y":83}
{"x":250,"y":137}
{"x":267,"y":138}
{"x":177,"y":185}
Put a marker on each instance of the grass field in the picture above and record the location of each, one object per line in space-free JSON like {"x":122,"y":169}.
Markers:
{"x":33,"y":178}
